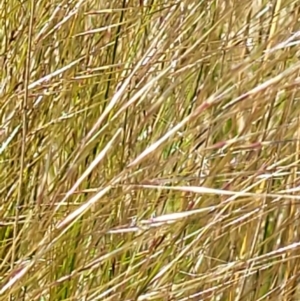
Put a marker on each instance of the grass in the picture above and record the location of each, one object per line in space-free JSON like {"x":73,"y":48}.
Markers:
{"x":149,"y":150}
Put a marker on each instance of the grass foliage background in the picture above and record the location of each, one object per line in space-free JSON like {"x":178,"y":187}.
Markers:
{"x":149,"y":150}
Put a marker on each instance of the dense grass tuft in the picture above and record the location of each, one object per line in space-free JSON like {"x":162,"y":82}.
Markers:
{"x":149,"y":150}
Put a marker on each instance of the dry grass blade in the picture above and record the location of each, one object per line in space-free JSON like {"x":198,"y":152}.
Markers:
{"x":149,"y":150}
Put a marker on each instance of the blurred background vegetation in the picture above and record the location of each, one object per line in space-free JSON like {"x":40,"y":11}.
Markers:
{"x":149,"y":150}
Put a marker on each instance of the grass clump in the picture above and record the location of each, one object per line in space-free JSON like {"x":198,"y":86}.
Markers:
{"x":149,"y":150}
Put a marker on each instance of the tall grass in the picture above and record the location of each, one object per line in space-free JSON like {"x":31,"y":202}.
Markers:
{"x":149,"y":150}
